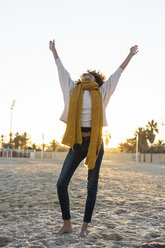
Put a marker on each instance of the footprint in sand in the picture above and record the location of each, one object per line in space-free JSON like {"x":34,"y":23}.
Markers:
{"x":112,"y":236}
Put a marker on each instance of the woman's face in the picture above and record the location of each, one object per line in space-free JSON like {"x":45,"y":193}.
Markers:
{"x":87,"y":77}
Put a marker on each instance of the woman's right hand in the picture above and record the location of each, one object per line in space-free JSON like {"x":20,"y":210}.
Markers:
{"x":52,"y":45}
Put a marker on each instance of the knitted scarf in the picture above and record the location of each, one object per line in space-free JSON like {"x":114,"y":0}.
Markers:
{"x":73,"y":129}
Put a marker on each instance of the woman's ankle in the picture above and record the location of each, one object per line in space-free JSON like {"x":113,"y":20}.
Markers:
{"x":85,"y":225}
{"x":67,"y":222}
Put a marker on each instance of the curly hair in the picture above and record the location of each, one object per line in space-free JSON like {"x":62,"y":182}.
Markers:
{"x":99,"y":77}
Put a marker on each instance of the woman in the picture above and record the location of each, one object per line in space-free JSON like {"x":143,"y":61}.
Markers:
{"x":84,"y":113}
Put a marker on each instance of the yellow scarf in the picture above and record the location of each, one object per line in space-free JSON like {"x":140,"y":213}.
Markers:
{"x":73,"y":129}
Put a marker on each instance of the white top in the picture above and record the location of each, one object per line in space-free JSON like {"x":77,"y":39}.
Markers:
{"x":67,"y":85}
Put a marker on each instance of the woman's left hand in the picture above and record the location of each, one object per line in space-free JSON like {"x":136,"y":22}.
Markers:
{"x":134,"y":50}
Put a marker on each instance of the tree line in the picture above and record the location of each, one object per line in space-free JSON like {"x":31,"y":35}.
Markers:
{"x":145,"y":137}
{"x":22,"y":141}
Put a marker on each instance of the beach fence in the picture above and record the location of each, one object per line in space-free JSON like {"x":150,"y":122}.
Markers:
{"x":157,"y":158}
{"x":14,"y":154}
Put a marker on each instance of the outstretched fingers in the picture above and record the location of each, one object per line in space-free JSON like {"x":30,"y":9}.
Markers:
{"x":134,"y":50}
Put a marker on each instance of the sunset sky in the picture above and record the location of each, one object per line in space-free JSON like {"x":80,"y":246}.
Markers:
{"x":88,"y":34}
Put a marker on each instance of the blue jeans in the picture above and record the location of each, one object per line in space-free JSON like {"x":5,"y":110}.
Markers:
{"x":71,"y":163}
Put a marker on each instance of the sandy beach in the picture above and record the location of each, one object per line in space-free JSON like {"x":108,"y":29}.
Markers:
{"x":129,"y":211}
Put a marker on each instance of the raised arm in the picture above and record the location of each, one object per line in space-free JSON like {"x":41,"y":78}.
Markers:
{"x":53,"y":49}
{"x":110,"y":84}
{"x":67,"y":84}
{"x":133,"y":51}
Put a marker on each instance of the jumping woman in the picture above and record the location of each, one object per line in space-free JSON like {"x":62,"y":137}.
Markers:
{"x":84,"y":114}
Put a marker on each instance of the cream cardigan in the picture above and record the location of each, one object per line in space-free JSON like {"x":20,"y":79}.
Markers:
{"x":67,"y":85}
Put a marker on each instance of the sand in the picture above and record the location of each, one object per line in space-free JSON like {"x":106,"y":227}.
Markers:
{"x":130,"y":207}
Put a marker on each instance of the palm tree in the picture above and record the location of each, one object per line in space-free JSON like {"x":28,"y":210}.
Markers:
{"x":54,"y":145}
{"x":34,"y":146}
{"x":128,"y":146}
{"x":17,"y":140}
{"x":20,"y":140}
{"x":24,"y":139}
{"x":142,"y":140}
{"x":151,"y":130}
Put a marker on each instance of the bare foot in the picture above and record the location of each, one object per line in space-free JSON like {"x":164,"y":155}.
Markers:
{"x":67,"y":228}
{"x":63,"y":230}
{"x":84,"y":232}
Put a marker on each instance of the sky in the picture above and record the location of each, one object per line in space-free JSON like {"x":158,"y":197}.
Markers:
{"x":89,"y":34}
